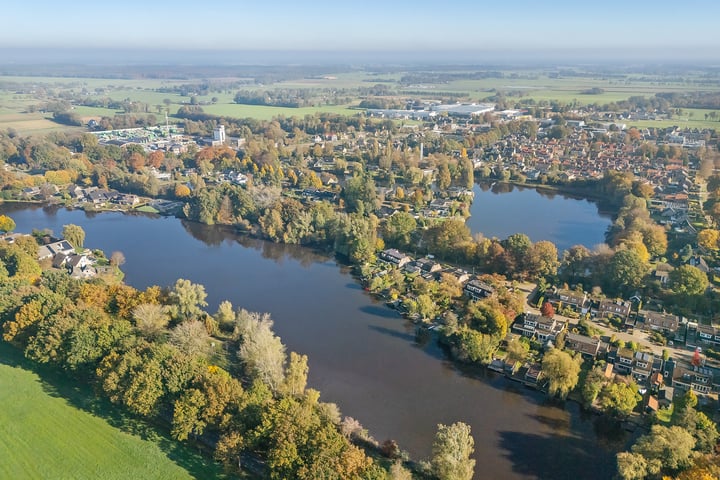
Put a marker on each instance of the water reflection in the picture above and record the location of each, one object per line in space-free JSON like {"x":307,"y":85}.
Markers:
{"x":500,"y":210}
{"x":216,"y":235}
{"x":362,"y":356}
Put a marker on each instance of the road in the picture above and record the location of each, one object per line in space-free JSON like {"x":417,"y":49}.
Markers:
{"x":642,"y":338}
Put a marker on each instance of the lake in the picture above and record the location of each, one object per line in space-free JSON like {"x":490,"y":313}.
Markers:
{"x":502,"y":210}
{"x":362,"y":356}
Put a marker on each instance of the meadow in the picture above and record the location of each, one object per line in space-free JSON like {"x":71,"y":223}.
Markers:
{"x":541,"y":85}
{"x":52,"y":428}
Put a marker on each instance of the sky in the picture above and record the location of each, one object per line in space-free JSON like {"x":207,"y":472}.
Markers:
{"x":615,"y":27}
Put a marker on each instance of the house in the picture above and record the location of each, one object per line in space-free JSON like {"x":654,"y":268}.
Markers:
{"x":660,"y":322}
{"x":476,"y":289}
{"x":541,"y":328}
{"x":623,"y":359}
{"x":617,"y":308}
{"x":80,"y":266}
{"x":702,"y":335}
{"x":584,"y":345}
{"x":52,"y":249}
{"x":394,"y":257}
{"x":427,"y":265}
{"x":665,"y":396}
{"x":578,"y":301}
{"x":460,"y":275}
{"x":697,"y":379}
{"x":532,"y":375}
{"x":642,"y":366}
{"x":699,"y":262}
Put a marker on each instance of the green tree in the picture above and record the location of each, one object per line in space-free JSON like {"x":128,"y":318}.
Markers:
{"x":443,"y":177}
{"x":700,"y":426}
{"x":665,"y":448}
{"x":295,"y":375}
{"x":688,"y":280}
{"x":261,"y":350}
{"x":620,"y":398}
{"x":517,"y":351}
{"x":542,"y":260}
{"x":473,"y":346}
{"x":487,"y":318}
{"x":398,"y":228}
{"x":631,"y":466}
{"x":75,"y":235}
{"x":360,"y":194}
{"x":593,"y":384}
{"x":7,"y":224}
{"x":186,"y":414}
{"x":626,"y":271}
{"x":225,"y":315}
{"x":562,"y":372}
{"x":451,"y":452}
{"x":187,"y":299}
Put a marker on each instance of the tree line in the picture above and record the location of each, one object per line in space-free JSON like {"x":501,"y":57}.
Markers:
{"x":223,"y":379}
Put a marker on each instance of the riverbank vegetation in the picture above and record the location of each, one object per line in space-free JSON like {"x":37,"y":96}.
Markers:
{"x":222,"y":381}
{"x":358,"y":185}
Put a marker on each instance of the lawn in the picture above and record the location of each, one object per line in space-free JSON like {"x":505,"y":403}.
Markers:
{"x":51,"y":428}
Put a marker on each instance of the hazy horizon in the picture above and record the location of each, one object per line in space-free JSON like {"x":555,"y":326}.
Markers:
{"x":521,"y":58}
{"x":400,"y":31}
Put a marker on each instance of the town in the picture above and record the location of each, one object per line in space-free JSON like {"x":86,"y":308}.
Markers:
{"x":626,"y":329}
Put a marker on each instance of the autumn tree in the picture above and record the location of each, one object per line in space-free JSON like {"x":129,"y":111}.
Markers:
{"x":451,"y":451}
{"x":547,"y":310}
{"x":517,"y":351}
{"x":150,"y":319}
{"x":7,"y":224}
{"x":665,"y":449}
{"x":709,"y":239}
{"x":117,"y":258}
{"x":182,"y":190}
{"x":187,"y":299}
{"x":688,"y":280}
{"x":191,"y":338}
{"x":261,"y":351}
{"x":620,"y":398}
{"x":562,"y":372}
{"x":75,"y":235}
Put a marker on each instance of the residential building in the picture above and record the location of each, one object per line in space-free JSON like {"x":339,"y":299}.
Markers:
{"x":613,"y":307}
{"x":578,"y":301}
{"x":660,"y":322}
{"x":585,"y":345}
{"x":476,"y":289}
{"x":538,"y":327}
{"x":697,"y":379}
{"x":394,"y":257}
{"x":50,"y":250}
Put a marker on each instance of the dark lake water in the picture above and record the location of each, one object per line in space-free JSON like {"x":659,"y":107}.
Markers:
{"x":361,"y":355}
{"x":503,"y":210}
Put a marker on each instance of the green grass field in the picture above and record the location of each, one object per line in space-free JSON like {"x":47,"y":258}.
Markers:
{"x":52,"y":429}
{"x":267,"y":113}
{"x":517,"y":85}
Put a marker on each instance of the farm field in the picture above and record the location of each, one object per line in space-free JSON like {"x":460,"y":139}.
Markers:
{"x":262,"y":112}
{"x":52,"y":429}
{"x":541,"y":85}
